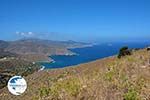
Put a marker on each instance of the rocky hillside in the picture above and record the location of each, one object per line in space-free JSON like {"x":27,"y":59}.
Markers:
{"x":39,"y":50}
{"x":111,"y":78}
{"x":10,"y":66}
{"x":6,"y":54}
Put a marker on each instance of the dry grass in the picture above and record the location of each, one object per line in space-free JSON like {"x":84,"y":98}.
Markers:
{"x":105,"y":79}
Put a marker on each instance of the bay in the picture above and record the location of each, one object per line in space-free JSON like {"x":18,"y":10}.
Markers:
{"x":88,"y":54}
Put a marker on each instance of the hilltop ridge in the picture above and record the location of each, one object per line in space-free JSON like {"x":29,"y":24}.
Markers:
{"x":105,"y":79}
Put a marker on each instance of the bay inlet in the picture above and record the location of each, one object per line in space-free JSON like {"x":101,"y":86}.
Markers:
{"x":87,"y":54}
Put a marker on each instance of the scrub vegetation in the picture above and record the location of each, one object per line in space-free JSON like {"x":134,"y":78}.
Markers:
{"x":112,"y":78}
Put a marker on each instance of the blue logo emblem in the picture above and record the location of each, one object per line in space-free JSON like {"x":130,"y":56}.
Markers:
{"x":17,"y":85}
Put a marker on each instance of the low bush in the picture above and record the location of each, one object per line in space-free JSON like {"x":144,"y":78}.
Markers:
{"x":124,"y":51}
{"x":131,"y":95}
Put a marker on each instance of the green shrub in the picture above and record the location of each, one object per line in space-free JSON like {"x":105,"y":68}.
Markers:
{"x":124,"y":51}
{"x":44,"y":92}
{"x":131,"y":95}
{"x":109,"y":75}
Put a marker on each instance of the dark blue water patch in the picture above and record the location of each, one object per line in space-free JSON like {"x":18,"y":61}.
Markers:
{"x":90,"y":54}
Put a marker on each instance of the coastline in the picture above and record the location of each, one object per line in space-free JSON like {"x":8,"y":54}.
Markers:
{"x":64,"y":66}
{"x":74,"y":66}
{"x":48,"y":59}
{"x":91,"y":72}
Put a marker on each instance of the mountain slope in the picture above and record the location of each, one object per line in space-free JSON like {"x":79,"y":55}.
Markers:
{"x":106,"y":79}
{"x":39,"y":50}
{"x":3,"y":44}
{"x":32,"y":47}
{"x":6,"y":54}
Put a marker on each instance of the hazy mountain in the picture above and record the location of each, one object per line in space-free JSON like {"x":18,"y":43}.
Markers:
{"x":39,"y":49}
{"x":38,"y":46}
{"x":3,"y":44}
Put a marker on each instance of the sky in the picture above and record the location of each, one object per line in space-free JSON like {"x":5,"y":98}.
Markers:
{"x":79,"y":20}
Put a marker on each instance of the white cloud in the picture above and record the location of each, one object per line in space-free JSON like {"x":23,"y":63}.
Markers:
{"x":30,"y":33}
{"x":25,"y":34}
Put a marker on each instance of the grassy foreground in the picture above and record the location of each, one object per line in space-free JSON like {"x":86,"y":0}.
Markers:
{"x":111,"y":78}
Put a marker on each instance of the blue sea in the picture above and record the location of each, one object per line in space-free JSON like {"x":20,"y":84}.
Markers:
{"x":88,"y":54}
